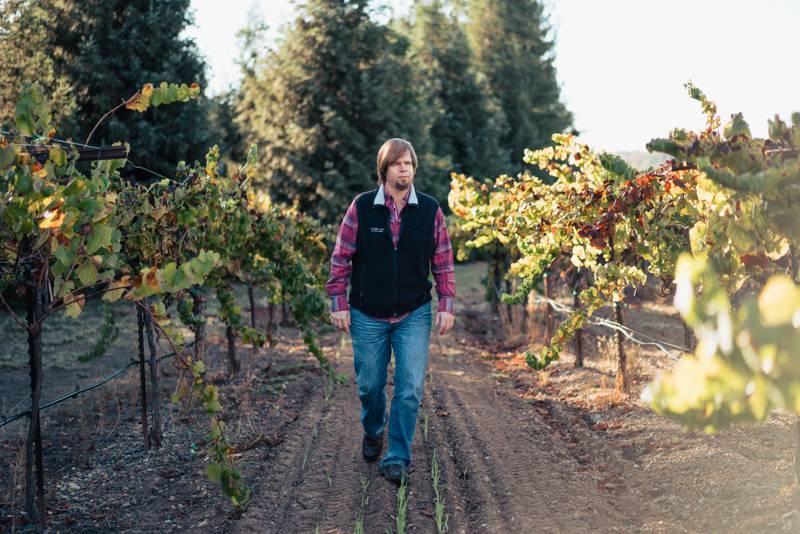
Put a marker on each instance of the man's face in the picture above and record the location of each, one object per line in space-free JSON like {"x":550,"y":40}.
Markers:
{"x":400,"y":173}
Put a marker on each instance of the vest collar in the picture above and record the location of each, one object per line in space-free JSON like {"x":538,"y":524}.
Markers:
{"x":380,"y":197}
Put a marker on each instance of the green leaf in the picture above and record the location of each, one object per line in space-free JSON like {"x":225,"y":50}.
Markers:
{"x":184,"y":278}
{"x":204,"y":263}
{"x":777,"y":129}
{"x":736,"y":126}
{"x":168,"y":276}
{"x":213,"y":407}
{"x":62,"y":287}
{"x":114,"y":293}
{"x":8,"y":156}
{"x":64,"y":255}
{"x":214,"y":472}
{"x":199,"y":367}
{"x":87,"y":272}
{"x":99,"y":238}
{"x":24,"y":183}
{"x":58,"y":156}
{"x":217,"y":428}
{"x":183,"y":92}
{"x":24,"y":119}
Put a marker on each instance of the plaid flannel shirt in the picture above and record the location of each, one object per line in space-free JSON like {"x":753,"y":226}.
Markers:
{"x":341,"y":265}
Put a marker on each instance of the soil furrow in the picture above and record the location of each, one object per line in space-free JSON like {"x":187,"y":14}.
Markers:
{"x":456,"y":502}
{"x":331,"y":487}
{"x":420,"y":492}
{"x":381,"y":506}
{"x":273,"y":503}
{"x":476,"y":483}
{"x":514,"y":455}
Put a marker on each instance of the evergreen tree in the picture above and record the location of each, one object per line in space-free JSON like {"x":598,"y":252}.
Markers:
{"x":512,"y":50}
{"x":224,"y":130}
{"x":27,"y":55}
{"x":465,"y":122}
{"x":321,"y":105}
{"x":104,"y":50}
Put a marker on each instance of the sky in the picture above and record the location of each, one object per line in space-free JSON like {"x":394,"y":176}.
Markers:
{"x":621,"y":64}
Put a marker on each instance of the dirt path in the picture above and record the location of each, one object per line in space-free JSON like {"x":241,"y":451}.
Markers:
{"x":507,"y":465}
{"x":318,"y":478}
{"x":516,"y":464}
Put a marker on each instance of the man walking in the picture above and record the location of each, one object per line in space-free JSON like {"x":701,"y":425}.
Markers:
{"x":390,"y":241}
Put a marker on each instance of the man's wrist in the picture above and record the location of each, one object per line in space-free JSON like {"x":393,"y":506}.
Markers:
{"x":339,"y":303}
{"x":447,"y":304}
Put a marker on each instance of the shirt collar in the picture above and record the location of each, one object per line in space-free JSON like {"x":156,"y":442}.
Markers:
{"x":380,"y":197}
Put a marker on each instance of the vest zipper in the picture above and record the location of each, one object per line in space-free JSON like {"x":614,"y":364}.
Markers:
{"x":394,"y":258}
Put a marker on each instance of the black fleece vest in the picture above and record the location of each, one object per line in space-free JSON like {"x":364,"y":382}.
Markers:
{"x":385,"y":281}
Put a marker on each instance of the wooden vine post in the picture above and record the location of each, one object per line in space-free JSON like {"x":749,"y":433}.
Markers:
{"x":549,"y":315}
{"x":576,"y":302}
{"x":622,"y":380}
{"x":234,"y":366}
{"x":33,"y":444}
{"x":270,"y":330}
{"x":251,"y":297}
{"x":155,"y":434}
{"x":142,"y":377}
{"x":688,"y":337}
{"x":198,"y":308}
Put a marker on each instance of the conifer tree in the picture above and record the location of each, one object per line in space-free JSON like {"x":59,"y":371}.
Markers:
{"x":102,"y":51}
{"x":322,"y":103}
{"x":465,"y":122}
{"x":26,"y":55}
{"x":515,"y":54}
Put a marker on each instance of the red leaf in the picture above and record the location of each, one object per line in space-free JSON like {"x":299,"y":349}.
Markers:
{"x":754,"y":260}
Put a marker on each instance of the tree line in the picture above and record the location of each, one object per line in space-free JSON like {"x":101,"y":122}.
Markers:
{"x":470,"y":83}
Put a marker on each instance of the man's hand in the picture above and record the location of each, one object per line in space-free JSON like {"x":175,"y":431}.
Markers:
{"x":444,"y":321}
{"x":341,"y":320}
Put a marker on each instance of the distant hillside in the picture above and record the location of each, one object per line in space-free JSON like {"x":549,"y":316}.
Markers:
{"x":641,"y":160}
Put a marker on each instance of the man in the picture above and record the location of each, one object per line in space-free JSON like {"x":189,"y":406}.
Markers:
{"x":390,"y":241}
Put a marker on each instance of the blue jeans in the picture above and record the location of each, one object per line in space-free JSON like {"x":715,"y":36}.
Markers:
{"x":373,"y":342}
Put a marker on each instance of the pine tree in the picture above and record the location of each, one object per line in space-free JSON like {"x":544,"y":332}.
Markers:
{"x":320,"y":106}
{"x":103,"y":51}
{"x":513,"y":51}
{"x":224,"y":130}
{"x":27,"y":55}
{"x":465,"y":122}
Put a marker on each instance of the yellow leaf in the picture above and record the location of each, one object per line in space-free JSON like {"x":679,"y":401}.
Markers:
{"x":52,"y":219}
{"x":116,"y":289}
{"x":778,"y":301}
{"x":139,"y":102}
{"x":151,"y":278}
{"x":75,"y":308}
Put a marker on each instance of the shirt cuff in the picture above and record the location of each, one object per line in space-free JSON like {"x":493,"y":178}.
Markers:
{"x":339,"y":304}
{"x":447,"y":304}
